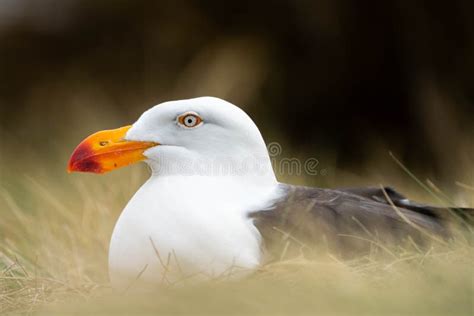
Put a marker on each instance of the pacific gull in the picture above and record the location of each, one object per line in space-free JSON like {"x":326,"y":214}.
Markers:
{"x":213,"y":206}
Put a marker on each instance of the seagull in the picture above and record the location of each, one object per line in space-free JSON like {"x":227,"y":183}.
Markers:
{"x":213,"y":206}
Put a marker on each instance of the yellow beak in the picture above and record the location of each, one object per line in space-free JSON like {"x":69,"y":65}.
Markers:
{"x":107,"y":150}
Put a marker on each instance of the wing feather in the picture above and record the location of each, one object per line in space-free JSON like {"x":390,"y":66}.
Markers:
{"x":345,"y":221}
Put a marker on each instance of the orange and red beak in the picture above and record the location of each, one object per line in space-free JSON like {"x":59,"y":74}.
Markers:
{"x":107,"y":150}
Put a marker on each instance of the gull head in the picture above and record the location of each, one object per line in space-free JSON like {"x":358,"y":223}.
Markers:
{"x":203,"y":136}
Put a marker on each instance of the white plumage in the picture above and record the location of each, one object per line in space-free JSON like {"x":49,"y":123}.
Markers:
{"x":189,"y":220}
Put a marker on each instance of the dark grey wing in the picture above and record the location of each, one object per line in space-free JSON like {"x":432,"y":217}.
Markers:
{"x":343,"y":221}
{"x":461,"y":215}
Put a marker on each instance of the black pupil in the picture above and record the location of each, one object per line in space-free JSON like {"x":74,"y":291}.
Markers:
{"x":190,"y":120}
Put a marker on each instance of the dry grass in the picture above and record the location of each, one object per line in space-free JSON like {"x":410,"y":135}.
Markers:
{"x":54,"y":234}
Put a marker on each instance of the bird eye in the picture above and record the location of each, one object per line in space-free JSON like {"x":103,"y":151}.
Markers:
{"x":189,"y":120}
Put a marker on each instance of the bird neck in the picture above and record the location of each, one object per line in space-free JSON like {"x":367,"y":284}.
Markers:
{"x":250,"y":191}
{"x":180,"y":163}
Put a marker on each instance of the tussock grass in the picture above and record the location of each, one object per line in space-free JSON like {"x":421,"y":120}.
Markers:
{"x":54,"y":234}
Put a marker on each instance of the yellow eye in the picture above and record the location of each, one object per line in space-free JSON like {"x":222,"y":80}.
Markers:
{"x":189,"y":120}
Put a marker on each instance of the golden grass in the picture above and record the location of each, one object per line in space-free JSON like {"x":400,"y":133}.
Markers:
{"x":54,"y":234}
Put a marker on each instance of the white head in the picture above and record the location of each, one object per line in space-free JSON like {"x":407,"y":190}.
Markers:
{"x":201,"y":136}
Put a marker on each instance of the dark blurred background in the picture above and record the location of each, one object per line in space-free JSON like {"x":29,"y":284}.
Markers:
{"x":351,"y":78}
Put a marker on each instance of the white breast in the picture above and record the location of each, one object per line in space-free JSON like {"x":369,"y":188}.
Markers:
{"x":188,"y":227}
